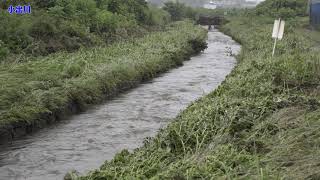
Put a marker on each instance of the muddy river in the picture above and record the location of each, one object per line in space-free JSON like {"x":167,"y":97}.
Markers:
{"x":84,"y":141}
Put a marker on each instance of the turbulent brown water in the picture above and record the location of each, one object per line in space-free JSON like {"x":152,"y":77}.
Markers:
{"x":85,"y":141}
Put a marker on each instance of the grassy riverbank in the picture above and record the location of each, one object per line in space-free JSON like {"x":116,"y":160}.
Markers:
{"x":60,"y":25}
{"x":262,"y":123}
{"x":42,"y":90}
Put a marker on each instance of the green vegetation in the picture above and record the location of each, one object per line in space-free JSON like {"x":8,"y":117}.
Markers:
{"x":67,"y":54}
{"x":179,"y":11}
{"x":43,"y":89}
{"x":282,"y":8}
{"x":262,"y":123}
{"x":68,"y":25}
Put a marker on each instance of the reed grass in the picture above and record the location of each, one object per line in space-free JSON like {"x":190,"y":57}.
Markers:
{"x":261,"y":123}
{"x":42,"y":89}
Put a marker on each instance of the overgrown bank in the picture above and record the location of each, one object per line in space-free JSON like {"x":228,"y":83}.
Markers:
{"x":68,"y":25}
{"x":43,"y":90}
{"x":262,"y":123}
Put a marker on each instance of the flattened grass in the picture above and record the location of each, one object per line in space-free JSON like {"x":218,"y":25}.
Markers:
{"x":35,"y":91}
{"x":261,"y":123}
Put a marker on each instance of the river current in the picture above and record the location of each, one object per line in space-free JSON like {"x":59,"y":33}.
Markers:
{"x":84,"y":141}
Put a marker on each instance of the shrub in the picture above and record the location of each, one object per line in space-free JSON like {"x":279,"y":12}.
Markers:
{"x":105,"y":21}
{"x":4,"y":51}
{"x":14,"y":31}
{"x":179,"y":11}
{"x":43,"y":27}
{"x":282,"y":8}
{"x":135,"y":8}
{"x":44,"y":3}
{"x":157,"y":16}
{"x":175,"y":9}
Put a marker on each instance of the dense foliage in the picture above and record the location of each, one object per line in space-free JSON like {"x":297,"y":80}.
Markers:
{"x":56,"y":25}
{"x":261,"y":123}
{"x":179,"y":11}
{"x":282,"y":8}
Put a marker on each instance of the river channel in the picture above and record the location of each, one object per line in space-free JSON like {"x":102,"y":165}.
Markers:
{"x":84,"y":141}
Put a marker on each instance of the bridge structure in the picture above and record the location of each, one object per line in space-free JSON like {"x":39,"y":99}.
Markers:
{"x":211,"y":20}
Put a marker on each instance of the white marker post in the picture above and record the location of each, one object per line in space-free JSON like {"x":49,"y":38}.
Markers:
{"x":278,"y":31}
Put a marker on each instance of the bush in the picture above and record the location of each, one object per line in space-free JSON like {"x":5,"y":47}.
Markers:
{"x":43,"y":27}
{"x":282,"y":8}
{"x":179,"y":11}
{"x":156,"y":16}
{"x":4,"y":51}
{"x":135,"y":8}
{"x":104,"y":22}
{"x":14,"y":31}
{"x":175,"y":9}
{"x":44,"y":3}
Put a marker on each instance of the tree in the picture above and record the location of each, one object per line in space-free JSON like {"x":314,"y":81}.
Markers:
{"x":44,"y":3}
{"x":137,"y":8}
{"x":282,"y":8}
{"x":176,"y":10}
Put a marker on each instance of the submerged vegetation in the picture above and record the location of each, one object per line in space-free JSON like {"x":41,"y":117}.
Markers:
{"x":262,"y":123}
{"x":43,"y":89}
